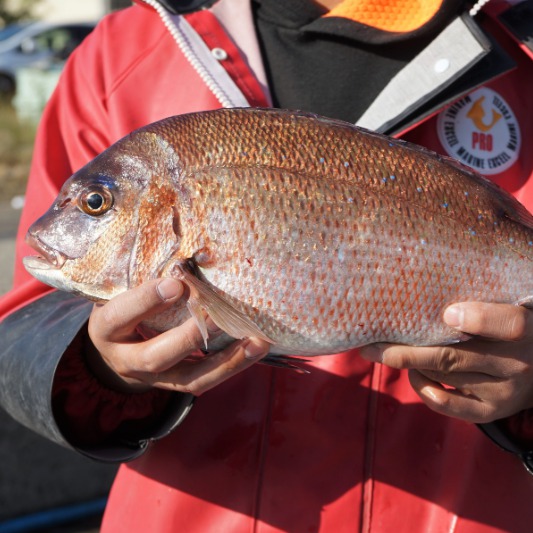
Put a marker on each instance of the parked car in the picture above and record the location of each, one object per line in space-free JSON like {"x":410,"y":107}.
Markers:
{"x":36,"y":44}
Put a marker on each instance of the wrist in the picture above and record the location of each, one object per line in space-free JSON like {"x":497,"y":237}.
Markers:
{"x":107,"y":376}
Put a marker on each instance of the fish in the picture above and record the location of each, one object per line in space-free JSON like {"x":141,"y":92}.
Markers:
{"x":308,"y":232}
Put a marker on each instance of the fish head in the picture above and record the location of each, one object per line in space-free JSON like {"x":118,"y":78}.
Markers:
{"x":112,"y":225}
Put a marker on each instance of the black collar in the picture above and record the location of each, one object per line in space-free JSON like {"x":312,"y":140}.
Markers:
{"x":307,"y":17}
{"x":181,"y":7}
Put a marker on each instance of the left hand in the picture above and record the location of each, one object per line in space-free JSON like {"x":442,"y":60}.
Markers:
{"x":487,"y":378}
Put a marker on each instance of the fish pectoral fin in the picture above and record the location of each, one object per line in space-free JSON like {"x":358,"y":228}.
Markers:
{"x":224,"y":314}
{"x":195,"y":308}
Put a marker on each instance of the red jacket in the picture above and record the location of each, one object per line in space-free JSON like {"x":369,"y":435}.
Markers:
{"x":349,"y":446}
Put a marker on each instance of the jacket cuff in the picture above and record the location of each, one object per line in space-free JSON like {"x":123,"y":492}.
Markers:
{"x":34,"y":341}
{"x":106,"y":424}
{"x":515,"y":435}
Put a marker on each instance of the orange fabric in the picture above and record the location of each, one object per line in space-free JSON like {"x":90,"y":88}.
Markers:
{"x":388,"y":15}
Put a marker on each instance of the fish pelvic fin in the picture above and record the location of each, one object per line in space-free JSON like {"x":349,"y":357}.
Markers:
{"x":526,"y":302}
{"x":286,"y":362}
{"x":224,"y":314}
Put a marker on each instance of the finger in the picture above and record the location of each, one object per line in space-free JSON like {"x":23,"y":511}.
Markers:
{"x":448,"y":359}
{"x":116,"y":320}
{"x":472,"y":384}
{"x":162,"y":352}
{"x":496,"y":321}
{"x":199,"y":376}
{"x":451,"y":402}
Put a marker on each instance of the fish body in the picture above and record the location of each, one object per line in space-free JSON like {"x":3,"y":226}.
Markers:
{"x":310,"y":232}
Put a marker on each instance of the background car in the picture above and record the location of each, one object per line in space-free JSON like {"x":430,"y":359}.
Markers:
{"x":36,"y":44}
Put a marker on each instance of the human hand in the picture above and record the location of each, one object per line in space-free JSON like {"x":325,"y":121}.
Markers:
{"x":124,"y":360}
{"x":486,"y":378}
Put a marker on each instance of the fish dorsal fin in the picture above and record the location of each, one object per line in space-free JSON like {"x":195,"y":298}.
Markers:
{"x":510,"y":207}
{"x":224,"y":314}
{"x":518,"y":213}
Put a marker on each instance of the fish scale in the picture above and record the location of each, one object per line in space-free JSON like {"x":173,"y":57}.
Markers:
{"x":310,"y":232}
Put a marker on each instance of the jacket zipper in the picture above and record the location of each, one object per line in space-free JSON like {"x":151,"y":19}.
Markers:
{"x":226,"y":92}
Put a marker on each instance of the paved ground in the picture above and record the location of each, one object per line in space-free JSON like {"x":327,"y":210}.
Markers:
{"x":35,"y":474}
{"x":8,"y":228}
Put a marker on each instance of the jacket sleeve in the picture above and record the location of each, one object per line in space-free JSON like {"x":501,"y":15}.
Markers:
{"x":515,"y":435}
{"x":43,"y":379}
{"x":46,"y":386}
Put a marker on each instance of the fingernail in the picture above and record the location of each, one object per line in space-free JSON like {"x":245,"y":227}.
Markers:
{"x":429,"y":391}
{"x":372,"y":353}
{"x":168,"y":289}
{"x":454,"y":316}
{"x":254,"y":349}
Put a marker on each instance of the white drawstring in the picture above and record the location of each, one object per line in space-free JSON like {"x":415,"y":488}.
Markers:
{"x":182,"y":41}
{"x":477,"y":7}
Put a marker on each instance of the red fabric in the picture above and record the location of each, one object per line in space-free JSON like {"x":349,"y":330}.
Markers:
{"x":521,"y":427}
{"x":90,"y":414}
{"x":348,"y":447}
{"x":207,"y":26}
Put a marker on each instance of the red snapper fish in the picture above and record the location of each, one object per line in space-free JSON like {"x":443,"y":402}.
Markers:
{"x":308,"y":232}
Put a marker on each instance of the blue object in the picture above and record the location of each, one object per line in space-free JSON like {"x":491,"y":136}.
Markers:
{"x":53,"y":517}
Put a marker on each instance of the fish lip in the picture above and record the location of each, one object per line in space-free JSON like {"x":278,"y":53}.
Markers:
{"x":37,"y":262}
{"x":47,"y":255}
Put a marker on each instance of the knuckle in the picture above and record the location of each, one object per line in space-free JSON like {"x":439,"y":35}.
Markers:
{"x":518,"y":369}
{"x":195,"y":387}
{"x":487,"y":413}
{"x":524,"y":369}
{"x":398,"y":362}
{"x":192,"y":341}
{"x":188,"y":340}
{"x":187,"y":337}
{"x":517,"y":328}
{"x":148,"y":366}
{"x":148,"y":362}
{"x":398,"y":358}
{"x":110,"y":313}
{"x":148,"y":297}
{"x":122,"y":369}
{"x":447,"y":360}
{"x":232,"y":367}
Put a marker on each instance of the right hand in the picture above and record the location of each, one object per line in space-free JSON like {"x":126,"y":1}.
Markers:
{"x":122,"y":359}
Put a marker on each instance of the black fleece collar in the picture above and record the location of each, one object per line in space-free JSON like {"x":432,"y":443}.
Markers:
{"x":181,"y":7}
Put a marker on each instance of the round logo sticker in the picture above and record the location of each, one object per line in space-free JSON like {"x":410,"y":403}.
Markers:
{"x":481,"y":131}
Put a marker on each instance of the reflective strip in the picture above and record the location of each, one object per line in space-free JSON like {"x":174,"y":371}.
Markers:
{"x":445,"y":59}
{"x":387,"y":15}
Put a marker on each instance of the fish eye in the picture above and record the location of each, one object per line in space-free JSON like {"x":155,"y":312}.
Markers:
{"x":96,"y":202}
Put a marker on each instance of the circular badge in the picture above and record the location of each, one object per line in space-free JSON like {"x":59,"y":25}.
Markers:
{"x":481,"y":131}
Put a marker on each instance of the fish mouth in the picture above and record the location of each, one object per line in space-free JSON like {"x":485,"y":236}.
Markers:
{"x":36,"y":262}
{"x":47,"y":259}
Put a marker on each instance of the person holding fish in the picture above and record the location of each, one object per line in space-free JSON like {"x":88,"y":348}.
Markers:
{"x":298,"y":324}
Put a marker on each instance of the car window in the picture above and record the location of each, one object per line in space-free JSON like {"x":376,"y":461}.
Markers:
{"x":60,"y":41}
{"x":52,"y":40}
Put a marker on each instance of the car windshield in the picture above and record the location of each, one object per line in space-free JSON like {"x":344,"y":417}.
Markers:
{"x":8,"y":31}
